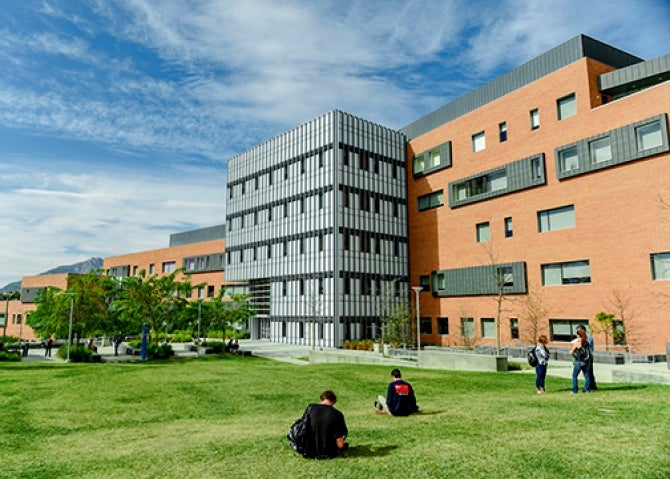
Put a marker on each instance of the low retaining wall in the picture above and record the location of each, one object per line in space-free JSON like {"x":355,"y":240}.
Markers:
{"x":427,"y":359}
{"x":452,"y":361}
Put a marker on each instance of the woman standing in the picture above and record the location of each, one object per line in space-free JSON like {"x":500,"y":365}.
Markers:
{"x":542,"y":354}
{"x":579,"y":365}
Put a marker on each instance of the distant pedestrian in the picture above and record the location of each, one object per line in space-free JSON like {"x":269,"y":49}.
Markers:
{"x":592,"y":383}
{"x":579,"y":364}
{"x":542,"y":354}
{"x":24,"y":348}
{"x":48,"y":345}
{"x":118,"y":339}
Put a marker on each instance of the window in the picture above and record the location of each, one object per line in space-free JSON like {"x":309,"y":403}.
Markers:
{"x":566,"y":106}
{"x":283,"y":288}
{"x":649,"y":136}
{"x":152,"y":268}
{"x":426,"y":325}
{"x":418,"y":164}
{"x":488,"y":328}
{"x":467,"y":327}
{"x":514,"y":328}
{"x":190,"y":264}
{"x":660,"y":266}
{"x":509,"y":230}
{"x":618,"y":333}
{"x":210,"y":291}
{"x":495,"y":181}
{"x":565,"y":329}
{"x":556,"y":219}
{"x":536,"y":168}
{"x":505,"y":276}
{"x":434,"y":158}
{"x":568,"y":159}
{"x":439,"y":281}
{"x":502,"y":131}
{"x":478,"y":142}
{"x":442,"y":325}
{"x":600,"y":150}
{"x":534,"y":119}
{"x":483,"y":232}
{"x":168,"y":267}
{"x":574,"y":272}
{"x":424,"y":282}
{"x":431,"y":200}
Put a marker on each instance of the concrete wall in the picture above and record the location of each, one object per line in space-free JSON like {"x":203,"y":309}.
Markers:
{"x":461,"y":361}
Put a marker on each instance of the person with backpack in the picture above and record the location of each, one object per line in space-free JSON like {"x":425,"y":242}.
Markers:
{"x":542,"y":355}
{"x":324,"y":430}
{"x":592,"y":377}
{"x":581,"y":355}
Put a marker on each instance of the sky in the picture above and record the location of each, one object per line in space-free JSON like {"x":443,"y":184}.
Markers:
{"x":117,"y":116}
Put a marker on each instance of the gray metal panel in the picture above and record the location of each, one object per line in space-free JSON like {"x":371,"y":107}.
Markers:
{"x":623,"y":145}
{"x":636,"y":77}
{"x":29,"y":295}
{"x":479,"y":280}
{"x":556,"y":58}
{"x":209,"y":233}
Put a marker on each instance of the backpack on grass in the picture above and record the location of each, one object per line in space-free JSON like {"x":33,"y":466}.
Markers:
{"x":532,"y":358}
{"x":300,"y":434}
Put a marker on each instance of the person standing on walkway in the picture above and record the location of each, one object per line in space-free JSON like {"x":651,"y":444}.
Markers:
{"x":48,"y":345}
{"x":580,"y":364}
{"x":400,"y":399}
{"x":592,"y":377}
{"x":542,"y":354}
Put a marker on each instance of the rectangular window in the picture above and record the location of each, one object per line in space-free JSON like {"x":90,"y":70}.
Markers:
{"x":565,"y":329}
{"x":431,"y":200}
{"x":505,"y":276}
{"x":502,"y":131}
{"x":488,"y":328}
{"x":426,"y":325}
{"x":442,"y":325}
{"x":424,"y":282}
{"x":483,"y":232}
{"x":514,"y":328}
{"x":600,"y":150}
{"x":568,"y":159}
{"x":434,"y":158}
{"x":467,"y":327}
{"x":556,"y":219}
{"x":536,"y":168}
{"x":152,"y":268}
{"x":573,"y":272}
{"x":439,"y":281}
{"x":494,"y":181}
{"x":210,"y":291}
{"x":534,"y":119}
{"x":509,"y":230}
{"x":566,"y":106}
{"x":649,"y":136}
{"x":168,"y":266}
{"x":660,"y":266}
{"x":497,"y":181}
{"x":418,"y":164}
{"x":478,"y":142}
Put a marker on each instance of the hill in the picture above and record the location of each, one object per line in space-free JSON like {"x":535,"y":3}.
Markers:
{"x":81,"y":267}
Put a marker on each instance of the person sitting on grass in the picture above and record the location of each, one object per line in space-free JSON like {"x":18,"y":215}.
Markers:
{"x":400,"y":399}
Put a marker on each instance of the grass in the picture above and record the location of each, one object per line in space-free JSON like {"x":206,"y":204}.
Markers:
{"x":228,"y":417}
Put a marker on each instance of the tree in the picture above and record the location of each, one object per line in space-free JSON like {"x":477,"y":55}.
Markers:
{"x":534,"y":312}
{"x":154,"y":299}
{"x":86,"y":300}
{"x":605,"y":322}
{"x":620,"y":302}
{"x":502,"y":275}
{"x":396,"y":326}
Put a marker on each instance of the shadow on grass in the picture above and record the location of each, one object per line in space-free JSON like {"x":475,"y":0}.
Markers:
{"x":609,"y":387}
{"x":369,"y":450}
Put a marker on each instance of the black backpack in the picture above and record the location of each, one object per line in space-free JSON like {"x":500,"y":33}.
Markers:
{"x":532,"y":357}
{"x":582,"y":354}
{"x":300,"y":434}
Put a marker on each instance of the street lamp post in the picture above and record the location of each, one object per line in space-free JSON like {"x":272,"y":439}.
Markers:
{"x":417,"y":290}
{"x":69,"y":331}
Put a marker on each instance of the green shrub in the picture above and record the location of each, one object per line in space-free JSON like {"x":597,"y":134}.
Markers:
{"x":216,"y":346}
{"x":78,"y":353}
{"x":10,"y":356}
{"x":181,"y":337}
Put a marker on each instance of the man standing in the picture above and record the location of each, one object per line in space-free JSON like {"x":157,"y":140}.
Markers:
{"x":589,"y":338}
{"x":328,"y":427}
{"x":400,"y":399}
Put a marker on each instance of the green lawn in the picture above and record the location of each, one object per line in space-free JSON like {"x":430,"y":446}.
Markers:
{"x":228,"y":417}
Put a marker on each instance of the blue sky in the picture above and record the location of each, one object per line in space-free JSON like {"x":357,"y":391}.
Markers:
{"x":117,"y":117}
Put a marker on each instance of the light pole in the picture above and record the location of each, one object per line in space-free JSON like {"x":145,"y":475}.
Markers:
{"x":69,"y":331}
{"x":417,"y":290}
{"x":197,"y":341}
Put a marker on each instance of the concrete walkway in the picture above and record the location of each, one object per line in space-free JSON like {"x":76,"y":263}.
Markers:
{"x":299,"y":355}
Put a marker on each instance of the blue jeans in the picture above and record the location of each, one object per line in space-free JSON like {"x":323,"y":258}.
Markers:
{"x":578,"y":367}
{"x":540,"y":375}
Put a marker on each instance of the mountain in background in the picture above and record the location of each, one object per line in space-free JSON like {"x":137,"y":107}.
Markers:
{"x":82,"y":267}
